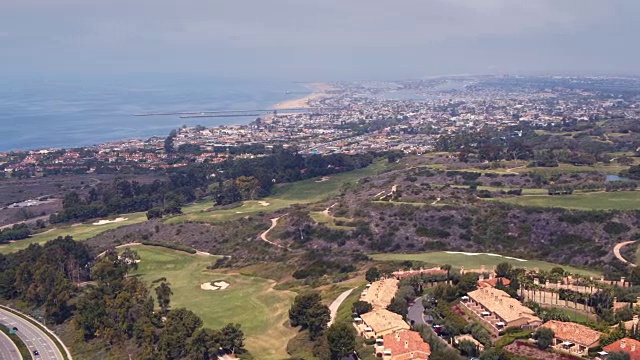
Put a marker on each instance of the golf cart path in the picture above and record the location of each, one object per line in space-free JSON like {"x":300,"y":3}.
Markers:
{"x":335,"y":305}
{"x":263,"y":235}
{"x":618,"y":247}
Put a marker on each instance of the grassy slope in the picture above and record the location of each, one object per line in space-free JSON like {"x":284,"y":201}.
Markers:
{"x":301,"y":192}
{"x":79,"y":232}
{"x":475,"y":261}
{"x":620,"y":200}
{"x":249,"y":301}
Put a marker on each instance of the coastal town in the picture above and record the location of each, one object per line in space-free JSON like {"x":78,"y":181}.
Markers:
{"x":404,"y":116}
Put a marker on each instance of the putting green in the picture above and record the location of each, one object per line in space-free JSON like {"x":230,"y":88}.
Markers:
{"x":249,"y":301}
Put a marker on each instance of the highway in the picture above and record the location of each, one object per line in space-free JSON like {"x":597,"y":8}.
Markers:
{"x":8,"y":350}
{"x":32,"y":336}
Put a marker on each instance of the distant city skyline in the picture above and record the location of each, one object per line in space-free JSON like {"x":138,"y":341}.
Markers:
{"x":320,"y":40}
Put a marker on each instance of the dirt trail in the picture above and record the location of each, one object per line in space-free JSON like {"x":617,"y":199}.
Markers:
{"x":510,"y":170}
{"x":326,"y":211}
{"x":335,"y":305}
{"x":616,"y":252}
{"x":263,"y":235}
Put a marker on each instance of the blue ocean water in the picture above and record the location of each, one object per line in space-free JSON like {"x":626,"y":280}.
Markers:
{"x":43,"y":112}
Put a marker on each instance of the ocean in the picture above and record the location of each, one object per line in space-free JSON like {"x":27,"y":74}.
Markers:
{"x":40,"y":113}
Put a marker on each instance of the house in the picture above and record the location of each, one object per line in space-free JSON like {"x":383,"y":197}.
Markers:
{"x":379,"y":322}
{"x":499,"y":310}
{"x":402,"y":345}
{"x":627,"y":345}
{"x":573,"y":338}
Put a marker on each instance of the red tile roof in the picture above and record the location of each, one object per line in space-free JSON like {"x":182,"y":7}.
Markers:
{"x":575,"y":333}
{"x":406,"y":344}
{"x":628,"y":345}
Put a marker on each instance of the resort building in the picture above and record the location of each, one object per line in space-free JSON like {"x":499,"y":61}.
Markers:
{"x":499,"y":310}
{"x":402,"y":345}
{"x":573,"y":338}
{"x":379,"y":322}
{"x":380,"y":293}
{"x":627,"y":345}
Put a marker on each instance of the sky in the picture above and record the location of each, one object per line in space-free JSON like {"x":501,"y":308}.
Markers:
{"x":319,"y":40}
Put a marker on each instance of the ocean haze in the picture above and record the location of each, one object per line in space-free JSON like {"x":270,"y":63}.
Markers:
{"x":319,"y":40}
{"x":66,"y":113}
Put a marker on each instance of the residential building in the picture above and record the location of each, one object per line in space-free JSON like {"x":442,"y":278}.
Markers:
{"x":379,"y":322}
{"x":573,"y":338}
{"x":499,"y":310}
{"x":402,"y":345}
{"x":627,"y":345}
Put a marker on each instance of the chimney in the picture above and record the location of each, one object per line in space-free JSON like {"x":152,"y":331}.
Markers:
{"x":615,"y":300}
{"x":397,"y":336}
{"x":633,"y":347}
{"x":623,"y":343}
{"x":406,"y":344}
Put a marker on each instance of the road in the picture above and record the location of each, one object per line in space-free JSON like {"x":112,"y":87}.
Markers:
{"x":616,"y":252}
{"x":416,"y":311}
{"x":335,"y":305}
{"x":8,"y":350}
{"x":32,"y":336}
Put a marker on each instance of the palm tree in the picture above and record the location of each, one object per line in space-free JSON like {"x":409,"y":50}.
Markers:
{"x":447,"y":267}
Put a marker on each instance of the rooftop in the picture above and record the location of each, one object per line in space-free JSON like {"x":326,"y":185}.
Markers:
{"x":381,"y":320}
{"x":503,"y":305}
{"x":572,"y":332}
{"x":406,"y":342}
{"x":628,"y":345}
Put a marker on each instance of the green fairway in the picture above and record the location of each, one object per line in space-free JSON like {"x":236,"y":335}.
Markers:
{"x":457,"y":260}
{"x":619,"y":200}
{"x":79,"y":232}
{"x":249,"y":301}
{"x":301,"y":192}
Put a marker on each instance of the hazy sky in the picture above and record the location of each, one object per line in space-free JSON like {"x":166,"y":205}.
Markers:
{"x":319,"y":40}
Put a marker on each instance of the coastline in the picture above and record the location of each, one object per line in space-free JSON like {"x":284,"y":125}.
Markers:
{"x":319,"y":91}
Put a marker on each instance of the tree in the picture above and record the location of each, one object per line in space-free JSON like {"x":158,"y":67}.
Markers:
{"x":447,"y":268}
{"x":232,"y":338}
{"x":468,"y":282}
{"x":163,"y":294}
{"x":468,"y":348}
{"x":155,"y":213}
{"x":503,"y":269}
{"x":618,"y":355}
{"x":361,"y":307}
{"x":372,"y":274}
{"x":308,"y":312}
{"x":342,"y":340}
{"x":203,"y":345}
{"x":545,"y":337}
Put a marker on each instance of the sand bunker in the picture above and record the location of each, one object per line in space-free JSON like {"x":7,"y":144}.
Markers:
{"x":103,"y":222}
{"x":217,"y":285}
{"x":323,"y":179}
{"x":488,"y":254}
{"x":264,"y":203}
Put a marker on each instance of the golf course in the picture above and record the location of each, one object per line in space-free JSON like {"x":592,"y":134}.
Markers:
{"x":249,"y":301}
{"x":476,"y":260}
{"x":618,"y":200}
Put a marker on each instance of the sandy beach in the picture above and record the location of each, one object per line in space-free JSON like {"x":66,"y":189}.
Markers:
{"x":320,"y":90}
